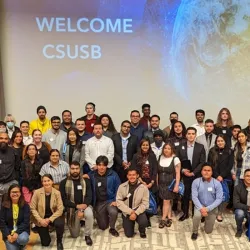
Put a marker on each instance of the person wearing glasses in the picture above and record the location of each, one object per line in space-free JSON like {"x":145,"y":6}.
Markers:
{"x":136,"y":128}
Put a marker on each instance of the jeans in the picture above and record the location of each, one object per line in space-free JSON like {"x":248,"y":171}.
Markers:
{"x":22,"y":240}
{"x":240,"y":215}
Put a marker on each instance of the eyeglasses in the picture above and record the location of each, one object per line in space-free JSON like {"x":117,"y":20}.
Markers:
{"x":124,"y":126}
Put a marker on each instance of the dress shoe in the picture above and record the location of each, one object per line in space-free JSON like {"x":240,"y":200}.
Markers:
{"x":184,"y":217}
{"x":88,"y":240}
{"x":59,"y":246}
{"x":238,"y":234}
{"x":202,"y":219}
{"x":143,"y":235}
{"x":194,"y":236}
{"x":113,"y":232}
{"x":175,"y":206}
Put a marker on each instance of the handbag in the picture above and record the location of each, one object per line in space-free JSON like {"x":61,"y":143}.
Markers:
{"x":181,"y":187}
{"x":152,"y":204}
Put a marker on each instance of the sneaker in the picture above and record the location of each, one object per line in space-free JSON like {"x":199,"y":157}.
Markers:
{"x":194,"y":236}
{"x":238,"y":234}
{"x":113,"y":232}
{"x":143,"y":235}
{"x":88,"y":240}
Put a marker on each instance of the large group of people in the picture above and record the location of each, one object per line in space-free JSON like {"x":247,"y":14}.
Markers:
{"x":55,"y":171}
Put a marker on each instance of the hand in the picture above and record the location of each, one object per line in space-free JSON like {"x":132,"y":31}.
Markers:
{"x":80,"y":214}
{"x":85,"y":176}
{"x":234,"y":177}
{"x":94,"y":167}
{"x":176,"y":189}
{"x":219,"y":178}
{"x":113,"y":204}
{"x":14,"y":237}
{"x":185,"y":172}
{"x":44,"y":223}
{"x":81,"y":206}
{"x":188,"y":174}
{"x":149,"y":185}
{"x":125,"y":165}
{"x":204,"y":211}
{"x":9,"y":237}
{"x":48,"y":221}
{"x":132,"y":216}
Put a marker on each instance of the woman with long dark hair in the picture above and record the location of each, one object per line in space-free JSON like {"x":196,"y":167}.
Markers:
{"x":221,"y":157}
{"x":73,"y":149}
{"x":30,"y":168}
{"x":146,"y":164}
{"x":15,"y":219}
{"x":108,"y":125}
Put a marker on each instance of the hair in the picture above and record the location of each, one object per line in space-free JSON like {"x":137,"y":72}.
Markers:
{"x":80,"y":119}
{"x":16,"y":131}
{"x":229,"y":121}
{"x":75,"y":163}
{"x":35,"y":130}
{"x":191,"y":128}
{"x":111,"y":126}
{"x":22,"y":122}
{"x":235,"y":126}
{"x":41,"y":107}
{"x":54,"y":118}
{"x":54,"y":150}
{"x":247,"y":170}
{"x":90,"y":103}
{"x":174,"y":113}
{"x":97,"y":123}
{"x":2,"y":123}
{"x":48,"y":176}
{"x":237,"y":148}
{"x":172,"y":133}
{"x":140,"y":155}
{"x":78,"y":141}
{"x":145,"y":105}
{"x":102,"y":159}
{"x":206,"y":164}
{"x":133,"y":169}
{"x":7,"y":202}
{"x":209,"y":121}
{"x":125,"y":121}
{"x":11,"y":117}
{"x":135,"y":111}
{"x":157,"y":116}
{"x":66,"y":111}
{"x":170,"y":145}
{"x":199,"y":111}
{"x":27,"y":148}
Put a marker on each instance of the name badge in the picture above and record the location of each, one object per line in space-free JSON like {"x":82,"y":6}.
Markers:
{"x":147,"y":162}
{"x":79,"y":187}
{"x":176,"y":144}
{"x":183,"y":147}
{"x":224,"y":131}
{"x":51,"y":139}
{"x":0,"y":161}
{"x":129,"y":194}
{"x":83,"y":142}
{"x":99,"y":184}
{"x":92,"y":124}
{"x":209,"y":189}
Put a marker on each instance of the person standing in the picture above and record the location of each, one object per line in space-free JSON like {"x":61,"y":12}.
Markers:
{"x":24,"y":128}
{"x":108,"y":125}
{"x":136,"y":129}
{"x":158,"y":143}
{"x":173,"y":117}
{"x":200,"y":116}
{"x":145,"y":120}
{"x":66,"y":121}
{"x":80,"y":126}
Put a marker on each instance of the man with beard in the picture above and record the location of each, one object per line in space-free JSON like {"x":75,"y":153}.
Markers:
{"x":77,"y":196}
{"x":200,"y":115}
{"x":7,"y":165}
{"x":66,"y":121}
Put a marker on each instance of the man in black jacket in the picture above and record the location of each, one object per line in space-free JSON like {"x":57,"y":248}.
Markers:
{"x":8,"y":164}
{"x":192,"y":156}
{"x":77,"y":196}
{"x":125,"y":147}
{"x":241,"y":201}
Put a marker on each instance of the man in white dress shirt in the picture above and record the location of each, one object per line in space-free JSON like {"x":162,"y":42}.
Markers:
{"x":98,"y":145}
{"x":200,"y":116}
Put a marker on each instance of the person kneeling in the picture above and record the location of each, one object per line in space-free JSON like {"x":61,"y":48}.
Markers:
{"x":77,"y":196}
{"x":15,"y":219}
{"x":207,"y":195}
{"x":47,"y":209}
{"x":133,"y":199}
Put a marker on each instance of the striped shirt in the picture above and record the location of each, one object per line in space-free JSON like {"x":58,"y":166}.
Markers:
{"x":58,"y":173}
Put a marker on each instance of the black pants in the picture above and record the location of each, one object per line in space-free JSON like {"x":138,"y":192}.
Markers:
{"x":187,"y":193}
{"x":44,"y":231}
{"x":129,"y":225}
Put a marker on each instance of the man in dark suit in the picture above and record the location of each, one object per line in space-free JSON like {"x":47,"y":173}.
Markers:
{"x":192,"y":156}
{"x":125,"y":147}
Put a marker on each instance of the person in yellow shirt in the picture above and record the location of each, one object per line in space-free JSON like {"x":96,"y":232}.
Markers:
{"x":42,"y":123}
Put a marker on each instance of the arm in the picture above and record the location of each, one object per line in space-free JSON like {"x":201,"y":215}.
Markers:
{"x":120,"y":202}
{"x":88,"y":159}
{"x":82,"y":156}
{"x":59,"y":210}
{"x":25,"y":224}
{"x":210,"y":160}
{"x":23,"y":172}
{"x":42,"y":171}
{"x":144,"y":203}
{"x":88,"y":196}
{"x":67,"y":203}
{"x":227,"y":169}
{"x":33,"y":206}
{"x":178,"y":174}
{"x":3,"y":225}
{"x":219,"y":196}
{"x":236,"y":200}
{"x":154,"y":167}
{"x":111,"y":150}
{"x":117,"y":157}
{"x":202,"y":160}
{"x":195,"y":195}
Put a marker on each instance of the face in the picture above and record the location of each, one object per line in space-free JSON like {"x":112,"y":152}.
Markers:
{"x":72,"y":136}
{"x":75,"y":171}
{"x":146,"y":111}
{"x":155,"y":122}
{"x":10,"y":122}
{"x":15,"y":194}
{"x":105,"y":122}
{"x":98,"y":131}
{"x":19,"y":138}
{"x":200,"y":117}
{"x":135,"y":117}
{"x":41,"y":114}
{"x":191,"y":134}
{"x":207,"y":172}
{"x":80,"y":125}
{"x":89,"y":109}
{"x":132,"y":176}
{"x":56,"y":124}
{"x":209,"y":127}
{"x":220,"y":143}
{"x":167,"y":151}
{"x":4,"y":138}
{"x":173,"y":117}
{"x":125,"y":128}
{"x":37,"y":136}
{"x":158,"y":139}
{"x":2,"y":129}
{"x":101,"y":168}
{"x":242,"y":138}
{"x":25,"y":128}
{"x":47,"y":182}
{"x":54,"y":157}
{"x":224,"y":115}
{"x":145,"y":147}
{"x":247,"y":178}
{"x":31,"y":152}
{"x":67,"y":117}
{"x":178,"y":128}
{"x":235,"y":132}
